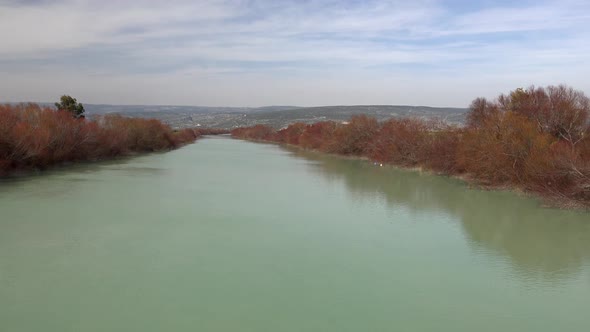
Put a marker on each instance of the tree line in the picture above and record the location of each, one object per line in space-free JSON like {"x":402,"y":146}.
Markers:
{"x":536,"y":139}
{"x":35,"y":137}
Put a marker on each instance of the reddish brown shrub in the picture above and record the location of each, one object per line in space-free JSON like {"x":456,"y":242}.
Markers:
{"x":480,"y":111}
{"x":211,"y":131}
{"x":497,"y":152}
{"x":355,"y":137}
{"x":318,"y":135}
{"x":439,"y":152}
{"x":558,"y":110}
{"x":35,"y":137}
{"x":257,"y":132}
{"x":291,"y":134}
{"x":400,"y":141}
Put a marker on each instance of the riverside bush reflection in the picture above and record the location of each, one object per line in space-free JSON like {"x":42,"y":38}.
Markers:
{"x":543,"y":244}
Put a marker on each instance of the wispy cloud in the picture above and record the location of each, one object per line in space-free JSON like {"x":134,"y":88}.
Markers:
{"x":252,"y":52}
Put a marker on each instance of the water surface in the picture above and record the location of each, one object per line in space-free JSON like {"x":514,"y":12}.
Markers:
{"x":226,"y":235}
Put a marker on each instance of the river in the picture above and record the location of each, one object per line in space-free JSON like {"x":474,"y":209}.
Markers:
{"x":227,"y":235}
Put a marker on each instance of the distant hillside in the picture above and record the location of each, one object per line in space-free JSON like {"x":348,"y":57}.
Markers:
{"x":343,"y":113}
{"x":126,"y":109}
{"x":275,"y":116}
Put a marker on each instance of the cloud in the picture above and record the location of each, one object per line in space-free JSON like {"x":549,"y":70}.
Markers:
{"x":326,"y":46}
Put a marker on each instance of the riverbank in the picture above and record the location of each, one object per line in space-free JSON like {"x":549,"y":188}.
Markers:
{"x":470,"y":180}
{"x":35,"y":138}
{"x":520,"y":142}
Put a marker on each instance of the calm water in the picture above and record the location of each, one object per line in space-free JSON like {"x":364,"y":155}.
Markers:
{"x":227,"y":235}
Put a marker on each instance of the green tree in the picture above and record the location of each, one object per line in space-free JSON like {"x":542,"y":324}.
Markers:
{"x":67,"y":103}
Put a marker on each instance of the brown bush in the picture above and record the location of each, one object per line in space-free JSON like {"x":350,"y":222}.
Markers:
{"x":400,"y":141}
{"x":36,"y":137}
{"x":439,"y":151}
{"x":480,"y":111}
{"x":497,"y":151}
{"x":257,"y":132}
{"x":536,"y":138}
{"x":318,"y":136}
{"x":291,"y":134}
{"x":355,"y":137}
{"x":210,"y":131}
{"x":558,"y":110}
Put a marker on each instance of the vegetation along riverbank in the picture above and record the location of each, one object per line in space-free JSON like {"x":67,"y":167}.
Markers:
{"x":35,"y":137}
{"x":536,"y":140}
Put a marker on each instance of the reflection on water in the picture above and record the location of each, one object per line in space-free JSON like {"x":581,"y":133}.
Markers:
{"x":139,"y":171}
{"x":540,"y":242}
{"x":32,"y":183}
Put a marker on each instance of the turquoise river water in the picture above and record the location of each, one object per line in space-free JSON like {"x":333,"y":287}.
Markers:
{"x":227,"y":235}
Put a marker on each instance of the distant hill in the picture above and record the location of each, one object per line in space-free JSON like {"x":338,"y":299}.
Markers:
{"x":343,"y":113}
{"x":127,"y":109}
{"x":275,"y":116}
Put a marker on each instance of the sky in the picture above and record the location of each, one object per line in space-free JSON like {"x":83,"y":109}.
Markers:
{"x":304,"y":53}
